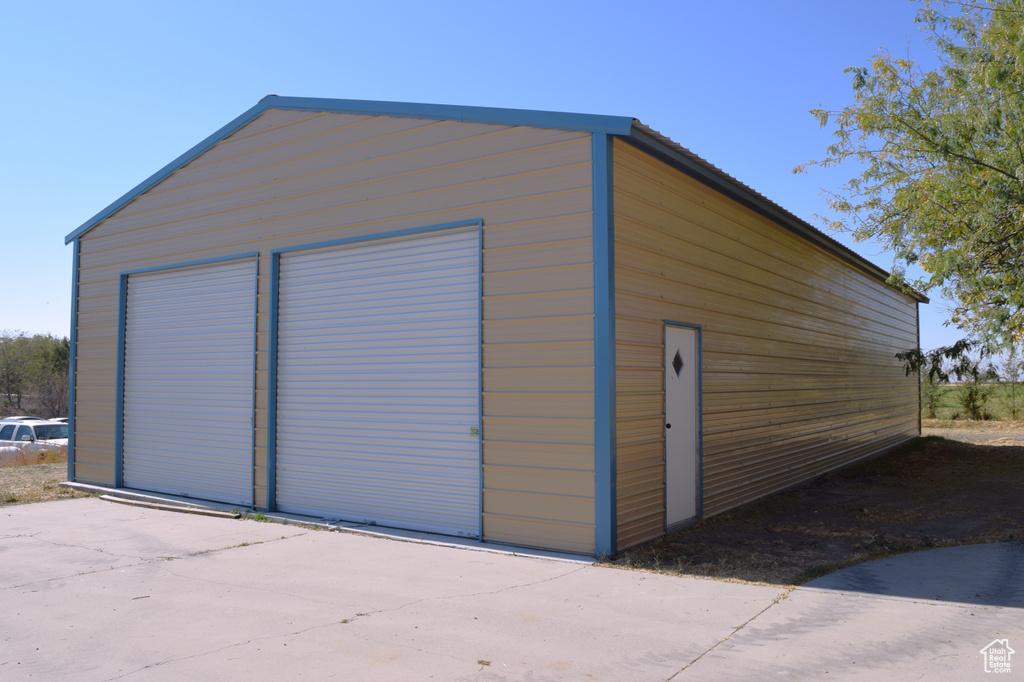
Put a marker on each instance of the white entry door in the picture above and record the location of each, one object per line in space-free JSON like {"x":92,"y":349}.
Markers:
{"x":682,"y":420}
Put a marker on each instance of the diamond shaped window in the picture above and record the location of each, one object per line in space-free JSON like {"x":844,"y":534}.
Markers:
{"x":677,"y":363}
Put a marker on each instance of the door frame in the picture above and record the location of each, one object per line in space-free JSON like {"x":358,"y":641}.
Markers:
{"x":122,"y":332}
{"x":699,"y":463}
{"x":275,"y":304}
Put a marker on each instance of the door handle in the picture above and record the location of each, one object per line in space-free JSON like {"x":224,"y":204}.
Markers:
{"x":668,"y":426}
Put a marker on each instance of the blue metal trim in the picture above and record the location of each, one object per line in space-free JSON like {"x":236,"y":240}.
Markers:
{"x":72,"y":361}
{"x":188,"y":264}
{"x":590,"y":123}
{"x":122,"y":317}
{"x":480,"y":375}
{"x":164,"y":172}
{"x":605,"y":464}
{"x":917,"y":325}
{"x":615,"y":125}
{"x":700,"y":410}
{"x":275,"y":271}
{"x":383,"y":235}
{"x":255,"y":346}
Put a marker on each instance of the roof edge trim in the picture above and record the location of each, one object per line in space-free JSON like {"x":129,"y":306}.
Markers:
{"x":164,"y":172}
{"x":590,"y":123}
{"x":642,"y":137}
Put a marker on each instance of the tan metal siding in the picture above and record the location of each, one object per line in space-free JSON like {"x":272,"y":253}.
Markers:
{"x":797,"y":355}
{"x":290,"y":178}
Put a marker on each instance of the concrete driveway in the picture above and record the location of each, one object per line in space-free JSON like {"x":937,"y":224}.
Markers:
{"x":91,"y":590}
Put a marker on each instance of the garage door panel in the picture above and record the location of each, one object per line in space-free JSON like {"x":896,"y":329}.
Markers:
{"x":226,"y":365}
{"x":414,"y":434}
{"x":425,"y":410}
{"x":169,"y":340}
{"x":413,"y":334}
{"x":318,"y":388}
{"x":399,"y":255}
{"x":421,"y":309}
{"x":378,"y":389}
{"x":433,"y":464}
{"x":409,"y":357}
{"x":188,"y":381}
{"x":168,"y":411}
{"x":444,"y":282}
{"x":206,"y":441}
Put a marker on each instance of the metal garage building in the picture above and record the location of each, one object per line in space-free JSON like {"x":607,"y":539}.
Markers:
{"x":551,"y":330}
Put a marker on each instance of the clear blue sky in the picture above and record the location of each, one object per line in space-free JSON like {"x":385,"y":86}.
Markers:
{"x":100,"y":95}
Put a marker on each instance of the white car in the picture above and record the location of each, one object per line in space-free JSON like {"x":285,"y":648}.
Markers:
{"x":33,"y":435}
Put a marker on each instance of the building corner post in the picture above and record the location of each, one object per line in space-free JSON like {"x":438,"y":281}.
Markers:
{"x":72,"y":343}
{"x":605,"y":497}
{"x":921,"y":418}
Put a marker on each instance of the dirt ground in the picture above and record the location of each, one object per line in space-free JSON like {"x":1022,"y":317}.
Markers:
{"x":34,"y":483}
{"x":960,"y":484}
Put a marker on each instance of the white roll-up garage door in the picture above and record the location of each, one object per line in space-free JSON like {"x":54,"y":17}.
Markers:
{"x":378,"y":390}
{"x":188,"y":381}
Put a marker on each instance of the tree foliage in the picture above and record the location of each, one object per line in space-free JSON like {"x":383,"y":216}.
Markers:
{"x":34,"y":374}
{"x":15,"y":360}
{"x":942,"y":159}
{"x":962,"y":361}
{"x":966,"y":361}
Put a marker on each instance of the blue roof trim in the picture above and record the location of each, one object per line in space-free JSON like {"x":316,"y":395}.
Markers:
{"x":166,"y":171}
{"x":615,"y":125}
{"x":590,"y":123}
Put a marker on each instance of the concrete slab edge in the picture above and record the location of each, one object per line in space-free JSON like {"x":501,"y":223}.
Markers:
{"x":175,"y":503}
{"x":128,"y":494}
{"x":400,"y":535}
{"x":171,"y":507}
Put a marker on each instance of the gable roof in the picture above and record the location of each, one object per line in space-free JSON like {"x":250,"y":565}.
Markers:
{"x":632,"y":130}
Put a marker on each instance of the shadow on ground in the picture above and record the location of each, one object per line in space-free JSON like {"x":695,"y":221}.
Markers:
{"x":928,"y":494}
{"x":991,"y":575}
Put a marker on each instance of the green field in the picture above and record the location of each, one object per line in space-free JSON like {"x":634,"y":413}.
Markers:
{"x":998,"y":405}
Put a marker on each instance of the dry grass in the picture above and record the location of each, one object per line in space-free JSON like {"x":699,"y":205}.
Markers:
{"x":28,"y":477}
{"x":12,"y":456}
{"x":935,"y":492}
{"x":978,"y":432}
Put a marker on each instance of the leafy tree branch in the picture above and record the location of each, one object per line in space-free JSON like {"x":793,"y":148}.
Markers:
{"x":941,"y":157}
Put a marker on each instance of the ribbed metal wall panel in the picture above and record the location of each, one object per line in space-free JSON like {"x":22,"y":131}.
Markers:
{"x":798,"y":367}
{"x":378,"y":392}
{"x":291,"y":178}
{"x":188,"y":381}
